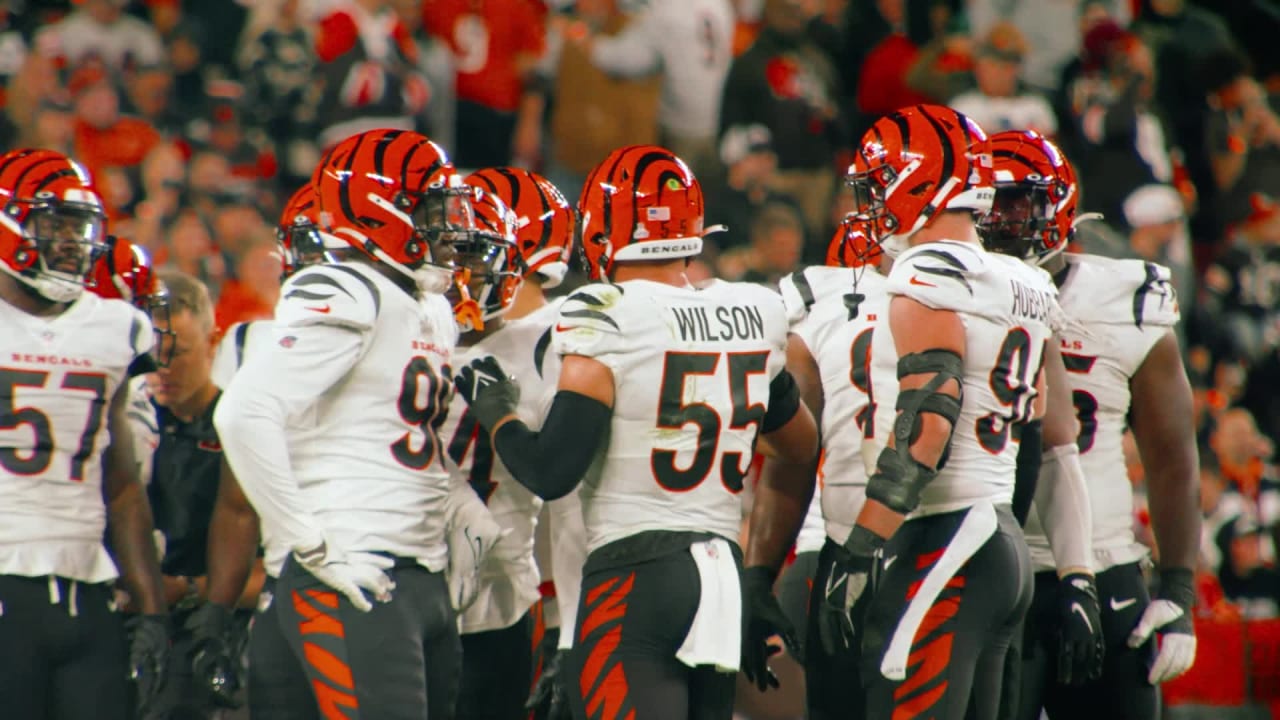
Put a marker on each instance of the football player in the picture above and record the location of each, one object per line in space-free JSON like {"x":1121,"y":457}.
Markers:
{"x":1124,"y":369}
{"x":663,"y":391}
{"x":965,"y":339}
{"x":331,"y":430}
{"x":544,"y":229}
{"x":67,"y":470}
{"x":834,"y":310}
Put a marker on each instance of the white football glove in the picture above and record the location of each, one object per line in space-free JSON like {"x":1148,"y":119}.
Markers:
{"x":472,"y":534}
{"x":350,"y":573}
{"x":1169,"y":617}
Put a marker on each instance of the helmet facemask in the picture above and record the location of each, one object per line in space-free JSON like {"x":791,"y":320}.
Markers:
{"x":61,"y":242}
{"x":441,"y":217}
{"x":871,"y":211}
{"x":1019,"y":217}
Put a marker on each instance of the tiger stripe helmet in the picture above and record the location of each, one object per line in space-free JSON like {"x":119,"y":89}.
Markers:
{"x":123,"y":271}
{"x":851,"y":245}
{"x":52,"y":223}
{"x":641,"y":203}
{"x":545,"y":221}
{"x":1035,"y":203}
{"x":913,"y":164}
{"x":303,"y":240}
{"x":394,"y":196}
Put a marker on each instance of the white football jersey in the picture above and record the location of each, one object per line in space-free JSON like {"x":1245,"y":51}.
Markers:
{"x":836,"y":322}
{"x":692,"y":369}
{"x":144,"y":426}
{"x":361,"y":431}
{"x":1116,"y":311}
{"x":58,"y":375}
{"x":1009,"y":310}
{"x":509,"y":579}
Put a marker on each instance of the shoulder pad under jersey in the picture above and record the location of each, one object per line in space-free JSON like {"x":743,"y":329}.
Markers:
{"x":1121,"y":291}
{"x":592,"y":322}
{"x":337,"y":294}
{"x":940,"y":275}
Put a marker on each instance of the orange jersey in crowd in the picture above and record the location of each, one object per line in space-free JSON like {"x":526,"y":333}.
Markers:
{"x":489,"y":38}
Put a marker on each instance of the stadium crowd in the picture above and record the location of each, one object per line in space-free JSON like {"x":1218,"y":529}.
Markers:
{"x":199,"y":119}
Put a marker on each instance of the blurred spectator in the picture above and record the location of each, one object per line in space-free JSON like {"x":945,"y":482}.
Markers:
{"x":1158,"y":233}
{"x":277,"y":61}
{"x":785,"y":83}
{"x":149,"y":96}
{"x":1051,"y":45}
{"x":13,"y":50}
{"x":944,"y":66}
{"x":209,"y":179}
{"x":437,"y":65}
{"x":222,"y":129}
{"x":189,"y":248}
{"x":882,"y":79}
{"x":186,"y":60}
{"x":777,"y":238}
{"x":999,"y":103}
{"x":1243,"y":136}
{"x":368,"y":62}
{"x":104,"y":138}
{"x":748,"y":156}
{"x":594,"y":113}
{"x":1242,"y":452}
{"x":223,"y":21}
{"x":252,"y":293}
{"x":496,"y":45}
{"x":100,"y":29}
{"x":53,"y":127}
{"x":690,"y":43}
{"x":1243,"y":286}
{"x":1122,"y":141}
{"x":1247,"y":572}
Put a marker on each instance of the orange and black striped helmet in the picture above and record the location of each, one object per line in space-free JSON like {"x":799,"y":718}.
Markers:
{"x":394,"y":195}
{"x":303,"y":240}
{"x":1035,"y":197}
{"x":545,"y":221}
{"x":52,"y":225}
{"x":490,"y":268}
{"x":851,"y":246}
{"x":123,"y":271}
{"x":641,"y":203}
{"x":915,"y":163}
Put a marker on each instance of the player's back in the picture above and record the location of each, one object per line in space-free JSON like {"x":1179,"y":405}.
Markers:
{"x":835,"y":322}
{"x":1008,"y":309}
{"x":366,"y":452}
{"x":691,"y":370}
{"x":510,"y":576}
{"x":58,"y":375}
{"x":1116,"y":311}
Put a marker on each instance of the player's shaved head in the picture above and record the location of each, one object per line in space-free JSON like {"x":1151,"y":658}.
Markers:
{"x":187,"y":294}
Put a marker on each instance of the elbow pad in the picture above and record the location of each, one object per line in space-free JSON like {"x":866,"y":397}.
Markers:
{"x":899,"y":478}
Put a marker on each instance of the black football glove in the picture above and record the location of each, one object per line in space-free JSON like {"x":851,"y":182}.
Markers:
{"x":488,"y":390}
{"x":852,"y":577}
{"x":215,"y":665}
{"x":762,"y":619}
{"x":1080,"y":643}
{"x":148,"y":656}
{"x":1169,"y":616}
{"x":549,"y":701}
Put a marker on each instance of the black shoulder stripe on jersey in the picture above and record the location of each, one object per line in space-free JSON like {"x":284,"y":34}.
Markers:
{"x":803,"y":287}
{"x":1140,"y":295}
{"x":315,"y":278}
{"x":141,"y":365}
{"x":944,"y":256}
{"x":591,"y":315}
{"x":540,"y":351}
{"x":586,"y":298}
{"x":135,"y":329}
{"x":149,"y":422}
{"x":948,"y":273}
{"x":307,"y":295}
{"x":373,"y":289}
{"x":242,"y":334}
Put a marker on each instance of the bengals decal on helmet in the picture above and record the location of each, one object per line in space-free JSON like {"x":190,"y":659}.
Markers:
{"x":1035,"y":197}
{"x":123,"y":271}
{"x":52,"y":224}
{"x":393,"y":195}
{"x":851,"y":245}
{"x":913,"y":164}
{"x":641,"y":203}
{"x":545,"y":221}
{"x":490,"y":268}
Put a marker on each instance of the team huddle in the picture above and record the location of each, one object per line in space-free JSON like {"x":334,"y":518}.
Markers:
{"x":945,"y":399}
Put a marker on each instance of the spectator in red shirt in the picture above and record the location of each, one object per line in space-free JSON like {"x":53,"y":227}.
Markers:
{"x":496,"y":45}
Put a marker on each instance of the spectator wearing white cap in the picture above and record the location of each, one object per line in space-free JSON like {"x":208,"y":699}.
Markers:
{"x":1158,"y":233}
{"x":100,"y":28}
{"x":1000,"y":102}
{"x":751,"y":171}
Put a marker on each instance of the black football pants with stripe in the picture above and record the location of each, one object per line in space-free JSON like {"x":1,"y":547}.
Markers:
{"x":956,"y":665}
{"x":497,"y":667}
{"x":631,"y":621}
{"x":63,"y":654}
{"x":399,"y":661}
{"x":1122,"y":693}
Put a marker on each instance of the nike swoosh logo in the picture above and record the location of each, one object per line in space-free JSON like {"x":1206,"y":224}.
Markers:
{"x":887,"y":562}
{"x":917,"y":281}
{"x":1118,"y":606}
{"x":561,"y":328}
{"x":323,"y":309}
{"x":1075,"y":608}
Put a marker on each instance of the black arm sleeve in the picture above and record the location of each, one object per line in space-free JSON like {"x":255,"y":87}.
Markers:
{"x":551,"y":462}
{"x":1028,"y":472}
{"x":784,"y":402}
{"x":141,"y":365}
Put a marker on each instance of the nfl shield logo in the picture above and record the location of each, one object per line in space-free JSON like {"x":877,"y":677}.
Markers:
{"x":287,"y":341}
